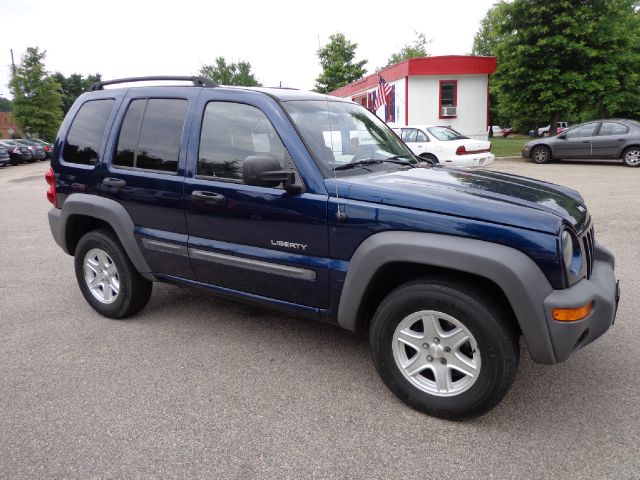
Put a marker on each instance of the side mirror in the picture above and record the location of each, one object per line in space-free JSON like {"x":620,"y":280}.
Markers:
{"x":562,"y":136}
{"x":265,"y":171}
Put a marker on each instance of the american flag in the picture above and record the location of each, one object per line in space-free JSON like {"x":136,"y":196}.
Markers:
{"x":384,"y":89}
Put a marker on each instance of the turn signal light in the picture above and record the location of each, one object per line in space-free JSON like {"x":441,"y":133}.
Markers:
{"x":572,"y":314}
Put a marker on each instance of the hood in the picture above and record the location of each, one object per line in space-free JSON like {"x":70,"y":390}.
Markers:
{"x":480,"y":195}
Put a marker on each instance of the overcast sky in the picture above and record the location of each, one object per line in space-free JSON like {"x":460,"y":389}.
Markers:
{"x":123,"y":38}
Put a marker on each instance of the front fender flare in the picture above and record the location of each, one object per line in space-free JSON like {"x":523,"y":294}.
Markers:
{"x":522,"y":282}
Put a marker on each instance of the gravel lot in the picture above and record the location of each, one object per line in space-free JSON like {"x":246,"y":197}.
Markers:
{"x":197,"y":387}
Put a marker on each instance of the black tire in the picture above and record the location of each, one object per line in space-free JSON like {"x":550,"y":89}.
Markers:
{"x":496,"y":341}
{"x":134,"y":290}
{"x":429,"y":157}
{"x":541,"y":154}
{"x":631,"y":157}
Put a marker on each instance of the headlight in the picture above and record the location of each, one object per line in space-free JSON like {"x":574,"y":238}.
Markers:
{"x":571,"y":254}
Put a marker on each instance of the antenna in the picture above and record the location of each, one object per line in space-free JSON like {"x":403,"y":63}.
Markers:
{"x":341,"y":215}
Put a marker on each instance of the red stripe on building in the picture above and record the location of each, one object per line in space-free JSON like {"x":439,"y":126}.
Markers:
{"x":445,"y":65}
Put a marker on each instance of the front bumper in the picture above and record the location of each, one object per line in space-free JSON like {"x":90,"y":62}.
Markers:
{"x":602,"y":289}
{"x":526,"y":151}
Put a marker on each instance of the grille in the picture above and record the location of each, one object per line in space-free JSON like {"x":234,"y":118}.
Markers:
{"x":589,"y":246}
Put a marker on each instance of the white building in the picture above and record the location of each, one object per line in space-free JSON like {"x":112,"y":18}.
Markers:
{"x":449,"y":90}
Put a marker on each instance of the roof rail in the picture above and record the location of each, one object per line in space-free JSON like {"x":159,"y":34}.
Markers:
{"x":197,"y":81}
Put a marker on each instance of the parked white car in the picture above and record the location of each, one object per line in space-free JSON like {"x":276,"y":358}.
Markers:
{"x":544,"y":131}
{"x":444,"y":145}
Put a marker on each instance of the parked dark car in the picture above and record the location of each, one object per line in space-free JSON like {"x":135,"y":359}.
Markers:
{"x":5,"y":159}
{"x":251,"y":194}
{"x":37,"y":150}
{"x":48,"y":148}
{"x":17,"y":153}
{"x":599,"y":139}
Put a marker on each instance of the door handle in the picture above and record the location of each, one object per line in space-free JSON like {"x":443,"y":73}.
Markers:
{"x":114,"y":182}
{"x":619,"y":139}
{"x":207,"y":197}
{"x":586,"y":141}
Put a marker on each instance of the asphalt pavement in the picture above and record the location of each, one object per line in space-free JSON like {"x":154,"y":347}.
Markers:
{"x":199,"y":387}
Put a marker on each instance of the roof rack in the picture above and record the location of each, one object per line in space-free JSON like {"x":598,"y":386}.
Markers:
{"x":197,"y":81}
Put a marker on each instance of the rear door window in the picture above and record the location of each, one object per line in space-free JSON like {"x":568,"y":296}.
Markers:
{"x":151,"y":134}
{"x":82,"y":145}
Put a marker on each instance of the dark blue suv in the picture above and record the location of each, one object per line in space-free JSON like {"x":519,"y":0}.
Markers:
{"x":311,"y":204}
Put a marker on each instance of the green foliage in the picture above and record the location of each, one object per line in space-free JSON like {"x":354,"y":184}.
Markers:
{"x":230,"y":73}
{"x":73,"y":86}
{"x":564,"y":59}
{"x":338,"y":66}
{"x":36,"y":99}
{"x":489,"y":36}
{"x":411,"y":50}
{"x":5,"y":104}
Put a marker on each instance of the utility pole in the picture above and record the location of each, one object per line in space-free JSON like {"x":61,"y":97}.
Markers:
{"x":13,"y":63}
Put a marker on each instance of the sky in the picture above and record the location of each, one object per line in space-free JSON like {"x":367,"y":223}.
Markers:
{"x":126,"y":38}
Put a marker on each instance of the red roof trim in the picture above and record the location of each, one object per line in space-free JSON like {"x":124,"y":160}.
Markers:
{"x":445,"y":65}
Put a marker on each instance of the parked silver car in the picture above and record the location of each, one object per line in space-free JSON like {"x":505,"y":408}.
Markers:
{"x":599,"y":139}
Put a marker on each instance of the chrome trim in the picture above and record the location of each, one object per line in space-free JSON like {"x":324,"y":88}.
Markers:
{"x":250,"y":264}
{"x":164,"y":247}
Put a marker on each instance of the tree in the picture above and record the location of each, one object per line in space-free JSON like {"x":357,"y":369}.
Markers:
{"x":488,"y":37}
{"x":224,"y":73}
{"x":73,"y":86}
{"x":36,"y":100}
{"x":411,"y":50}
{"x":563,"y":58}
{"x":5,"y":104}
{"x":338,"y":66}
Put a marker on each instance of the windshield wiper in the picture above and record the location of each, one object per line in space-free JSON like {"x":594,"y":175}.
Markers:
{"x":359,"y":163}
{"x":371,"y":161}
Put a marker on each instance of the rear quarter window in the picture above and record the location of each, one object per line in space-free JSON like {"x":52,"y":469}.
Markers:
{"x":85,"y":136}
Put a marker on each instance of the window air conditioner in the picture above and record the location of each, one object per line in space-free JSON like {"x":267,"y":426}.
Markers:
{"x":448,"y":111}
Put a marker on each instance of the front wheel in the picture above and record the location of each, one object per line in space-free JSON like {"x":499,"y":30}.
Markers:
{"x":631,"y":157}
{"x":443,"y":350}
{"x":108,"y":280}
{"x":541,"y":154}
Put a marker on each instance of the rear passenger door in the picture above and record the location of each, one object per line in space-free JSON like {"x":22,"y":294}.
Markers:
{"x":610,"y":140}
{"x":144,"y":172}
{"x":257,"y":241}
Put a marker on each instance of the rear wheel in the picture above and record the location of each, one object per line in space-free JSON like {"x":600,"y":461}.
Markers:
{"x":443,"y":349}
{"x":541,"y":154}
{"x":108,"y":280}
{"x":631,"y":157}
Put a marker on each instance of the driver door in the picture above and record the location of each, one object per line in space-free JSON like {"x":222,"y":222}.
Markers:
{"x":258,"y":241}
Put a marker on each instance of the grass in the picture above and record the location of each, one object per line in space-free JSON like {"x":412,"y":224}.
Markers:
{"x":508,"y":147}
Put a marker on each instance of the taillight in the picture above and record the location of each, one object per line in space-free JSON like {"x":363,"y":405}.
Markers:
{"x":461,"y":150}
{"x":50,"y":177}
{"x":16,"y":150}
{"x":47,"y":148}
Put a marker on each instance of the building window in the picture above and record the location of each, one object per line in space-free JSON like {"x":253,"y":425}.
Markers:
{"x":390,"y":107}
{"x":448,"y":98}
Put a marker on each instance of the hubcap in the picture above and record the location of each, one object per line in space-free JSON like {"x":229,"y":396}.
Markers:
{"x":540,"y":155}
{"x":632,"y":157}
{"x":436,"y":353}
{"x":101,"y":276}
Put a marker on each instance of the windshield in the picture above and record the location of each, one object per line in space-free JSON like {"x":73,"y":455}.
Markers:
{"x":346,"y":139}
{"x":444,"y":134}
